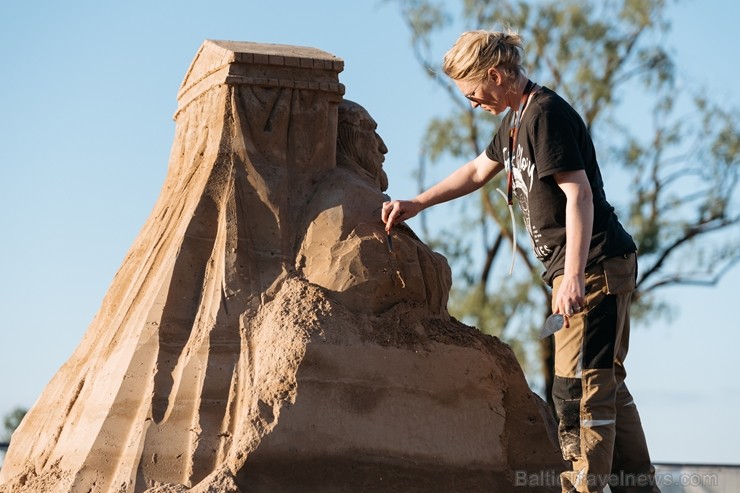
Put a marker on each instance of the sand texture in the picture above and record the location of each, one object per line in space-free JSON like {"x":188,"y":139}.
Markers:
{"x":260,"y":336}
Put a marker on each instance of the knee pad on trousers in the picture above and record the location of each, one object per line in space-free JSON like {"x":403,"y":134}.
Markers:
{"x":567,"y":394}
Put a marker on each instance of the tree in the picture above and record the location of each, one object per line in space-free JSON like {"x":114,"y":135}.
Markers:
{"x":11,"y":421}
{"x":681,"y":165}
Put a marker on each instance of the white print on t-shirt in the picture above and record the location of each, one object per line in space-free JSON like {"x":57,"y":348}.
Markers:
{"x":523,"y":174}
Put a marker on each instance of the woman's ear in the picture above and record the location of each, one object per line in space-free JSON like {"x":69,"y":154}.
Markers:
{"x":494,"y":75}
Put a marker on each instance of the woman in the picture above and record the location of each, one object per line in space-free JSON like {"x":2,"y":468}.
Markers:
{"x":589,"y":258}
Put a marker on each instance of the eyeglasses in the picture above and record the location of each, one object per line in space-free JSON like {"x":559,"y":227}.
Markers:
{"x":471,"y":95}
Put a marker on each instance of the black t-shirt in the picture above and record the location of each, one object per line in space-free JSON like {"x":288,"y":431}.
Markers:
{"x":553,"y":138}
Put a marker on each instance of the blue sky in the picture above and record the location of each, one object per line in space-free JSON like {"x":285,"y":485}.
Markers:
{"x":87,"y":94}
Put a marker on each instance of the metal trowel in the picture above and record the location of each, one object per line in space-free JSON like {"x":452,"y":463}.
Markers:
{"x":553,"y":324}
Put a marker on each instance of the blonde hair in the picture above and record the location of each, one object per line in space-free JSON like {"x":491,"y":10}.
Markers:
{"x":475,"y":52}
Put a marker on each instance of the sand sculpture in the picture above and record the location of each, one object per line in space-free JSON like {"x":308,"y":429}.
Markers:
{"x":260,"y":336}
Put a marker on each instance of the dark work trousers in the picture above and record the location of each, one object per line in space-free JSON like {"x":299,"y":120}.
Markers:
{"x":599,"y":427}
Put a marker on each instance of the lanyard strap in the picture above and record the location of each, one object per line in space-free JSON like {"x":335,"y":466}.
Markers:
{"x":513,"y":136}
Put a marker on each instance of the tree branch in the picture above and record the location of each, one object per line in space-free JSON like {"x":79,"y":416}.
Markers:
{"x":691,"y":233}
{"x":683,"y":280}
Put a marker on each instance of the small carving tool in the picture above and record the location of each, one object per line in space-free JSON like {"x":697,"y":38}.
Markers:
{"x":553,"y":324}
{"x":388,"y":237}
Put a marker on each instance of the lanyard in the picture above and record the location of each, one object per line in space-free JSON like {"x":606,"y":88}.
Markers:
{"x":513,"y":136}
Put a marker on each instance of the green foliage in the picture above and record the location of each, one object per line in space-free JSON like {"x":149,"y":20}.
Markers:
{"x":682,"y":168}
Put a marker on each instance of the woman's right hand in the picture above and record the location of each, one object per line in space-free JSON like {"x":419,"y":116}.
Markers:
{"x":396,"y":211}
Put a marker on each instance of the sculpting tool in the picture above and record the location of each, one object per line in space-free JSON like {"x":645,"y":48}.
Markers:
{"x":553,"y":324}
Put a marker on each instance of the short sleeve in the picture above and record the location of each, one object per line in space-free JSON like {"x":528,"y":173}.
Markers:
{"x":556,"y":143}
{"x":494,"y":151}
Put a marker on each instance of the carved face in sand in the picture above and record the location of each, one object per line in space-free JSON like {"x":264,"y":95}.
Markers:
{"x":358,"y":143}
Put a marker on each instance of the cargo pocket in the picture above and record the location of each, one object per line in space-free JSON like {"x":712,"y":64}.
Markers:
{"x":620,"y":274}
